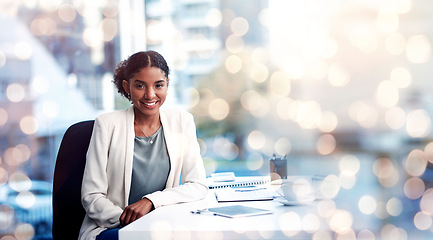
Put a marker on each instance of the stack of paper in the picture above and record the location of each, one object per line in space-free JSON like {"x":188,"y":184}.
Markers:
{"x":253,"y":193}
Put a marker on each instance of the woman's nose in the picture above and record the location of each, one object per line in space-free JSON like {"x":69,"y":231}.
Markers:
{"x":150,"y":93}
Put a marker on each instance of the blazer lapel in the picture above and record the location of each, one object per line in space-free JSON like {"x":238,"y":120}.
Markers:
{"x":170,"y":141}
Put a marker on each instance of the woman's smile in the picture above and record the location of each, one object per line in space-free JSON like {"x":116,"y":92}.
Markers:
{"x":150,"y":105}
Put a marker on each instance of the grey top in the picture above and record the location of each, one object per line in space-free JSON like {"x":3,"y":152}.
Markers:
{"x":151,"y":166}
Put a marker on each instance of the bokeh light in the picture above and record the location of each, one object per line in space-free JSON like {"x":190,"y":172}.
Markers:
{"x":15,"y":92}
{"x":29,"y":125}
{"x":349,"y":163}
{"x":255,"y":161}
{"x":282,"y":146}
{"x":386,"y":172}
{"x":394,"y":207}
{"x":219,"y":109}
{"x":426,"y":203}
{"x":328,"y":122}
{"x":330,"y":186}
{"x":43,"y":26}
{"x":239,"y":26}
{"x":387,"y":94}
{"x":310,"y":223}
{"x":414,"y":188}
{"x":381,"y":212}
{"x":367,"y":204}
{"x":418,"y":123}
{"x":322,"y":235}
{"x":109,"y":28}
{"x":214,"y":17}
{"x":259,"y":73}
{"x":326,"y":208}
{"x":347,"y":179}
{"x":422,"y":221}
{"x":341,"y":221}
{"x":193,"y":95}
{"x":233,"y":64}
{"x":24,"y":231}
{"x":67,"y":12}
{"x":235,"y":44}
{"x":366,"y":234}
{"x":14,"y":156}
{"x":25,"y":199}
{"x":283,"y":107}
{"x":418,"y":49}
{"x":309,"y":115}
{"x":428,"y":151}
{"x":226,"y":149}
{"x":395,"y":118}
{"x":390,"y":231}
{"x":415,"y":163}
{"x":326,"y":144}
{"x":256,"y":139}
{"x":40,"y":85}
{"x":19,"y":181}
{"x":8,"y":213}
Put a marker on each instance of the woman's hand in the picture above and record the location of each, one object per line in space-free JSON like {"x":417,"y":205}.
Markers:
{"x":135,"y":211}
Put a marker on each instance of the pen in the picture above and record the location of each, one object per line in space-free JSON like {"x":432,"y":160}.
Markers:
{"x":199,"y":211}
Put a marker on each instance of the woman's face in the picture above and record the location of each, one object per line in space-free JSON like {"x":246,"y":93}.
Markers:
{"x":148,"y":90}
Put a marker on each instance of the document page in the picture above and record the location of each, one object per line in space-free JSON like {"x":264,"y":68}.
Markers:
{"x":252,"y":193}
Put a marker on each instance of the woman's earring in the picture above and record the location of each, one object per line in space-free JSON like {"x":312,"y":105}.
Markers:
{"x":129,"y":96}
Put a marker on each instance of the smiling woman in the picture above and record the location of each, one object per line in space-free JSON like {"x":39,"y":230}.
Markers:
{"x":147,"y":147}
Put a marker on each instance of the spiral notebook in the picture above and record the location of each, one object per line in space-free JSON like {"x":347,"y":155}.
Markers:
{"x":239,"y":182}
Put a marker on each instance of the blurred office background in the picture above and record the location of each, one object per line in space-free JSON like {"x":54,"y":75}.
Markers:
{"x":342,"y":88}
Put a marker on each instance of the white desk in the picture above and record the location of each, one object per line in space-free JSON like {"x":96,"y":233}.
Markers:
{"x":177,"y":222}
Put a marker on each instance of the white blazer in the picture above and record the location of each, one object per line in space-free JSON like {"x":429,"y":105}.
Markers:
{"x":108,"y":171}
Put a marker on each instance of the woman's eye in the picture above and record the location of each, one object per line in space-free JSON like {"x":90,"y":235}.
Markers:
{"x":140,"y":86}
{"x":159,"y":85}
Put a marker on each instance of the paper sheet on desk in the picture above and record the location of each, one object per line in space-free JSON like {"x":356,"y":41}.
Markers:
{"x":243,"y":194}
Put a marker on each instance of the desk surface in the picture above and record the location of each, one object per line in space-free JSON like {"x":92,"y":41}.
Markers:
{"x":177,"y":222}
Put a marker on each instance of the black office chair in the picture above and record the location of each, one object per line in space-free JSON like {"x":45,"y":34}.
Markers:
{"x":68,"y":213}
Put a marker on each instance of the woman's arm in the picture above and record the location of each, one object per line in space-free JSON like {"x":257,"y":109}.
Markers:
{"x":95,"y":183}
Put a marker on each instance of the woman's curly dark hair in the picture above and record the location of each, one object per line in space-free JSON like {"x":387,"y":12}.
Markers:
{"x":126,"y":69}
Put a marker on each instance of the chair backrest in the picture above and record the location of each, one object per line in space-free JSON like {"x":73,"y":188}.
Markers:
{"x":68,"y":213}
